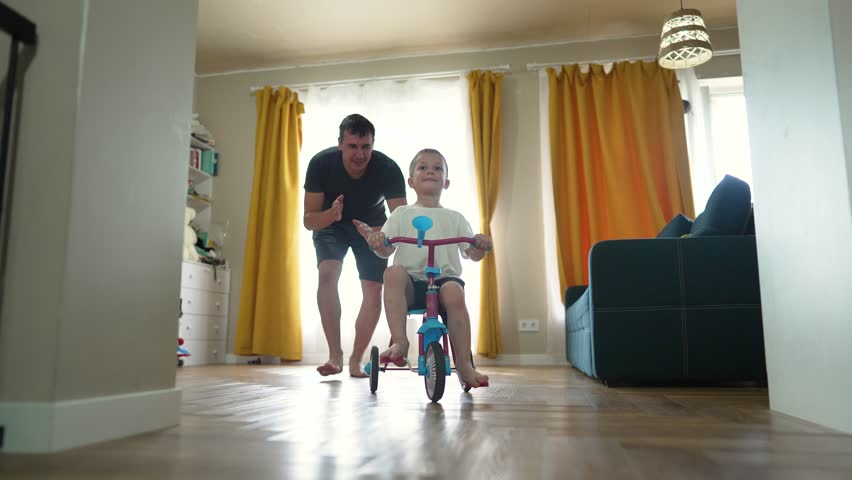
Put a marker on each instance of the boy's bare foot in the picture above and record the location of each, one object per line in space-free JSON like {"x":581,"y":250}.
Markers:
{"x":472,"y":378}
{"x":396,"y":354}
{"x":332,"y":367}
{"x":356,"y":369}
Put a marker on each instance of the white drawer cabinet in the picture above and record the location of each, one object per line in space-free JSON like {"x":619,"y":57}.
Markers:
{"x":204,"y":352}
{"x":203,"y":327}
{"x":202,"y":277}
{"x":204,"y":303}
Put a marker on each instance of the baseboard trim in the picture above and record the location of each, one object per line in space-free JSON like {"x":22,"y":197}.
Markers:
{"x":45,"y":427}
{"x":521,"y":360}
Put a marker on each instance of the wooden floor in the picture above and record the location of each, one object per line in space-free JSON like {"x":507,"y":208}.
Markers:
{"x":286,"y":422}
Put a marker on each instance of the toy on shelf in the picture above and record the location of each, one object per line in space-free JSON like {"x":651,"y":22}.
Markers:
{"x":189,"y":236}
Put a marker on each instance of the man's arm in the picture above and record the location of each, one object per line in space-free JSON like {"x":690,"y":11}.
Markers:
{"x":315,"y":217}
{"x":396,"y":202}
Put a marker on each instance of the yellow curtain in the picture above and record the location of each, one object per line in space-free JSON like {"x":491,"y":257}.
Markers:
{"x":270,"y":320}
{"x":487,"y":123}
{"x":618,"y":156}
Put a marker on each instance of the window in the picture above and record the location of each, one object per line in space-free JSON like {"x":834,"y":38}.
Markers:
{"x":717,"y":132}
{"x":408,"y":115}
{"x":728,"y":128}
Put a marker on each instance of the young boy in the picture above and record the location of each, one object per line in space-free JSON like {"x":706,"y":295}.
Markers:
{"x":405,"y":281}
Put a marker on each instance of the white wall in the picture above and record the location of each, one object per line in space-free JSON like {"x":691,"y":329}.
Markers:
{"x":227,"y":108}
{"x":796,"y":68}
{"x":38,"y":207}
{"x":840,"y":12}
{"x":122,"y":273}
{"x":91,"y":290}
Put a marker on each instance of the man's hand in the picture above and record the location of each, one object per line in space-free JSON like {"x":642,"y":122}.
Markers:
{"x":375,"y":238}
{"x":315,"y":217}
{"x":373,"y":235}
{"x":364,"y":229}
{"x":337,"y":208}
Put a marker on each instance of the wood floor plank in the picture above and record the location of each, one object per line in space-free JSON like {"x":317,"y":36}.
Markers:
{"x":255,"y":422}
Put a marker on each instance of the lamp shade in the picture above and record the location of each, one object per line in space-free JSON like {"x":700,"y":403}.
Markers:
{"x":684,"y":42}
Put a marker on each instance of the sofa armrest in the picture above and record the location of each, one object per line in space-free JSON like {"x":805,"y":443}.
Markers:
{"x":656,"y":272}
{"x":723,"y":326}
{"x":635,"y":273}
{"x":720,"y":270}
{"x":663,"y":309}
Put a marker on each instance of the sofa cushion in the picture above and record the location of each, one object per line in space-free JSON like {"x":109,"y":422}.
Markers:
{"x":727,"y":210}
{"x":677,"y":227}
{"x":749,"y":229}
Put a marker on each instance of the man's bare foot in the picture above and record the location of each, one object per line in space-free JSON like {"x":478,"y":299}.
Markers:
{"x":396,"y":354}
{"x":472,"y":378}
{"x":356,"y":369}
{"x":332,"y":367}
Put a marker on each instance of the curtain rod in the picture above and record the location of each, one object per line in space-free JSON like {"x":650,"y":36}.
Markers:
{"x":418,"y":76}
{"x":532,"y":67}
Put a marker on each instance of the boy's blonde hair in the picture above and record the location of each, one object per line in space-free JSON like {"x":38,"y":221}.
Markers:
{"x":424,"y":152}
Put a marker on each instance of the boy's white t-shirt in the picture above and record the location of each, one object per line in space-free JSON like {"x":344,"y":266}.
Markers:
{"x":446,"y":223}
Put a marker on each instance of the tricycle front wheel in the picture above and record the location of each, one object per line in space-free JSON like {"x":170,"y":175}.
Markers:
{"x":374,"y":369}
{"x":436,"y":372}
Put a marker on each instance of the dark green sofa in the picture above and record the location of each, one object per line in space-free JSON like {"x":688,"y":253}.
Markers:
{"x":679,"y":310}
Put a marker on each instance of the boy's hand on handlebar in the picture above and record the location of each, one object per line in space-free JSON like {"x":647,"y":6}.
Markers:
{"x":482,"y":242}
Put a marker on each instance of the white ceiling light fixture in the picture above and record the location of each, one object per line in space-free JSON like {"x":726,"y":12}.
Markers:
{"x":684,"y":42}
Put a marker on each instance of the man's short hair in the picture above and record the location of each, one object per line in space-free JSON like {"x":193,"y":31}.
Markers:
{"x":357,"y":125}
{"x":424,"y":152}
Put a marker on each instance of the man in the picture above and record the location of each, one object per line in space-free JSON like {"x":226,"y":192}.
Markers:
{"x":343,"y":184}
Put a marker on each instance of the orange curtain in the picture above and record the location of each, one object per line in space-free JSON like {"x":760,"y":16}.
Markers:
{"x":270,"y":319}
{"x":487,"y":125}
{"x":618,"y":157}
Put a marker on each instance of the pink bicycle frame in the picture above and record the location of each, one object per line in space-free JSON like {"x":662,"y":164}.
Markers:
{"x":433,"y":308}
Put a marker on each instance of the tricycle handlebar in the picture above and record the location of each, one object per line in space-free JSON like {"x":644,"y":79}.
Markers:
{"x":429,"y":243}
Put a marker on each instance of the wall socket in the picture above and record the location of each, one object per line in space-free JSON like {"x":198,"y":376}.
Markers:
{"x":528,"y":325}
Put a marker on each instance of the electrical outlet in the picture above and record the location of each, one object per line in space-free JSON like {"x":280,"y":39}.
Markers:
{"x":528,"y":325}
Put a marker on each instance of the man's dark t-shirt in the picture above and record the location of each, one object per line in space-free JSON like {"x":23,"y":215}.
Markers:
{"x":363,"y":198}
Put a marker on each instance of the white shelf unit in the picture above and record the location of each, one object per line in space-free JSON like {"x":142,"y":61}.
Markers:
{"x":202,"y":182}
{"x":197,"y":176}
{"x":203,"y":290}
{"x":197,"y":203}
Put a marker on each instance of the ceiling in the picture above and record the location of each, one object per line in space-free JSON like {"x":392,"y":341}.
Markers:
{"x":251,"y":34}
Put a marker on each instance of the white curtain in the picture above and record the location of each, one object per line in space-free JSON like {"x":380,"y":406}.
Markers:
{"x":555,"y":307}
{"x":408,"y":115}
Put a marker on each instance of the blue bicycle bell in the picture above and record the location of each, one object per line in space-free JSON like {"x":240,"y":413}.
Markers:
{"x":421,"y":223}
